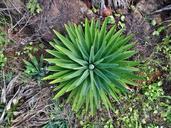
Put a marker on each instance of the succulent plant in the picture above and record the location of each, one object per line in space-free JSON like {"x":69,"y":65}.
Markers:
{"x":91,"y":65}
{"x":35,"y":68}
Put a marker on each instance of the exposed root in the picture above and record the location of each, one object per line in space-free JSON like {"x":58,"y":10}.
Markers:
{"x":34,"y":110}
{"x":31,"y":103}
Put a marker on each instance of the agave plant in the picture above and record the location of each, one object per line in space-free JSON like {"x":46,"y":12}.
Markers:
{"x":35,"y":68}
{"x":91,"y":65}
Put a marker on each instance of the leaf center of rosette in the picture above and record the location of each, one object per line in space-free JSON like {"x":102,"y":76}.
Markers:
{"x":91,"y":66}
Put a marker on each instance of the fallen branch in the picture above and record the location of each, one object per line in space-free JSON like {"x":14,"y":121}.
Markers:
{"x":167,"y":8}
